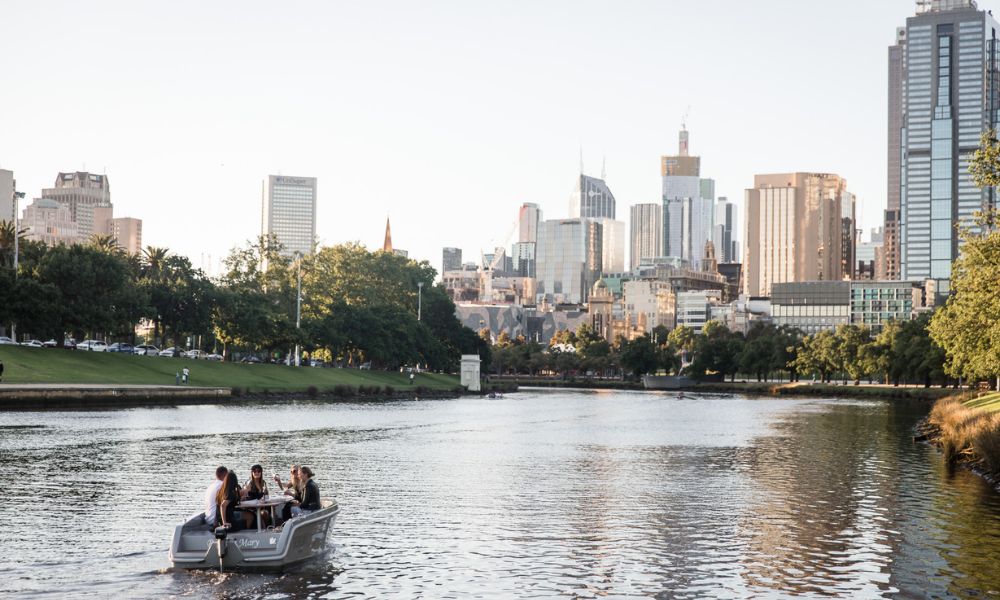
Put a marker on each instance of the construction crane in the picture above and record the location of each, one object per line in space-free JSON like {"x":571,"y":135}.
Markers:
{"x":486,"y":270}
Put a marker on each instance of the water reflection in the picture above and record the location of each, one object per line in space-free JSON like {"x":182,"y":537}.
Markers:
{"x":538,"y":495}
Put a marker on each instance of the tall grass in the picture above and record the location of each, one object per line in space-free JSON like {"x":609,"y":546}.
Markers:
{"x":967,"y":433}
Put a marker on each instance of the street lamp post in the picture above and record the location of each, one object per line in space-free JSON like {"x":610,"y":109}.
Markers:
{"x":17,"y":196}
{"x":298,"y":306}
{"x":420,"y":298}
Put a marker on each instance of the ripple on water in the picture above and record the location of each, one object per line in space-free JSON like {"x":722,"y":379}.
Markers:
{"x":538,"y":495}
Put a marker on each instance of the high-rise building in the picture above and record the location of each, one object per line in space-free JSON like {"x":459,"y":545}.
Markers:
{"x":793,"y":230}
{"x":612,"y":246}
{"x":646,"y":233}
{"x":724,"y":238}
{"x":128,"y":233}
{"x":592,"y":199}
{"x":568,"y":260}
{"x":451,"y":259}
{"x":88,"y":197}
{"x":523,"y":259}
{"x":945,"y":63}
{"x":527,"y":222}
{"x":894,"y":191}
{"x":49,"y":221}
{"x":688,"y":205}
{"x":848,"y":236}
{"x":6,"y":195}
{"x":289,"y":212}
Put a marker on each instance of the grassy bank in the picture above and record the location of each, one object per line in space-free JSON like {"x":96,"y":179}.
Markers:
{"x":968,"y":430}
{"x":827,"y":390}
{"x":54,"y":366}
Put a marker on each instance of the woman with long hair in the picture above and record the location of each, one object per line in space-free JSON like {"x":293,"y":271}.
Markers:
{"x":255,"y":489}
{"x":228,"y":497}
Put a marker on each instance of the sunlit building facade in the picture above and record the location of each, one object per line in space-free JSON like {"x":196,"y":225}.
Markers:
{"x":568,"y":260}
{"x":646,"y":233}
{"x":289,"y":212}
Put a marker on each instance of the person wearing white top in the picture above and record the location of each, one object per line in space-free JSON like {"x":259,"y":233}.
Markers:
{"x":210,"y":493}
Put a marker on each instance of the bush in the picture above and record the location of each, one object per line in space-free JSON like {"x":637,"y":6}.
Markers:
{"x":236,"y":391}
{"x":390,"y":391}
{"x":345,"y":391}
{"x":312,"y":392}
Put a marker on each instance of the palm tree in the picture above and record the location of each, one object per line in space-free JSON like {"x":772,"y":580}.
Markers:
{"x":153,"y":260}
{"x":106,"y":243}
{"x":7,"y":242}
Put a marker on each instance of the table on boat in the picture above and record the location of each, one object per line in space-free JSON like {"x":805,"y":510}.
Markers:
{"x":264,"y":503}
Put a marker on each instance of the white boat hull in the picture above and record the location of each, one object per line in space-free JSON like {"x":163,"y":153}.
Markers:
{"x":194,"y":545}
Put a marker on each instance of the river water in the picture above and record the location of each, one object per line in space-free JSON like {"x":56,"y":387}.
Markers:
{"x":536,"y":495}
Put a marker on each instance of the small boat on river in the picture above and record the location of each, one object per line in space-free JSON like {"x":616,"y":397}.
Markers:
{"x":197,"y":546}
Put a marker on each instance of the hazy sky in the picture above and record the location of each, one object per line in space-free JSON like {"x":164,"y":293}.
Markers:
{"x":444,"y":115}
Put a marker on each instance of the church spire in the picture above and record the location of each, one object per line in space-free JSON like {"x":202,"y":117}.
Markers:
{"x":387,"y":244}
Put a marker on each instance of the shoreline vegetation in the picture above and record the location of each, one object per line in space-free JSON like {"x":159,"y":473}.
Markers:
{"x":967,"y":429}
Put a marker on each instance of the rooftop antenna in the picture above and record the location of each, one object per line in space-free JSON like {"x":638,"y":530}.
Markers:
{"x":581,"y":159}
{"x":683,"y":137}
{"x":604,"y":174}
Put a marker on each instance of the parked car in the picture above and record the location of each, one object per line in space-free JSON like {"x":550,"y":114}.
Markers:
{"x":215,"y":357}
{"x":251,"y":360}
{"x":145,"y":350}
{"x":121,"y":347}
{"x":171,"y":351}
{"x":69,"y":343}
{"x":33,"y":344}
{"x":196,"y":354}
{"x":316,"y":362}
{"x":4,"y":340}
{"x":92,"y":346}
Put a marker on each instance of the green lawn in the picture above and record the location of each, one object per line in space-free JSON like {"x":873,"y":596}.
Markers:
{"x":990,"y":402}
{"x":51,"y":365}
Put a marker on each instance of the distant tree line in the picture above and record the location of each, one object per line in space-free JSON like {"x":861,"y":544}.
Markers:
{"x":357,"y":306}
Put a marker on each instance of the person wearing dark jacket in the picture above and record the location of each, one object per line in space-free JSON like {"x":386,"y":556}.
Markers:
{"x":310,"y":496}
{"x":226,"y":513}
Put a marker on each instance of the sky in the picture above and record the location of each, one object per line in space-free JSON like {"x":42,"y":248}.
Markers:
{"x":444,"y":116}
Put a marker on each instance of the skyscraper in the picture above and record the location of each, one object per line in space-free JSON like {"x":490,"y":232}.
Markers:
{"x":793,"y":230}
{"x":612,"y":246}
{"x":289,"y":212}
{"x":894,"y":192}
{"x":647,"y":229}
{"x":451,"y":259}
{"x":947,"y":97}
{"x":568,"y":260}
{"x":128,"y":233}
{"x":724,"y":236}
{"x":527,"y":222}
{"x":688,"y":205}
{"x":88,"y":197}
{"x":592,"y":199}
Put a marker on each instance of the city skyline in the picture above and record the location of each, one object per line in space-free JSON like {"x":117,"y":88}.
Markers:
{"x":344,"y":127}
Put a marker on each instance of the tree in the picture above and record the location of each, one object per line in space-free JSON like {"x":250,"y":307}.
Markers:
{"x":639,"y":356}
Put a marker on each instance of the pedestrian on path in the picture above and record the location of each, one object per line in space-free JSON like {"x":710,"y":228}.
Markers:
{"x":184,"y":375}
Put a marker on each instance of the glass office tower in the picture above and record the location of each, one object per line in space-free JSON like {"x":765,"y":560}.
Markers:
{"x":949,"y":98}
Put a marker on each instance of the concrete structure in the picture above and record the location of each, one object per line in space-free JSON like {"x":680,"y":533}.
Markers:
{"x":289,"y":212}
{"x":469,"y":377}
{"x":646,"y":233}
{"x":451,"y":259}
{"x":49,"y":221}
{"x":568,"y":260}
{"x":694,"y":309}
{"x":653,"y":299}
{"x":128,"y":233}
{"x":6,"y":195}
{"x":88,"y":197}
{"x":535,"y":324}
{"x":945,"y":63}
{"x":724,"y":233}
{"x":592,"y":199}
{"x":793,"y":230}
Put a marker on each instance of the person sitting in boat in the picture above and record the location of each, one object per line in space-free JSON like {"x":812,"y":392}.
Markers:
{"x":294,"y":489}
{"x":227,"y":515}
{"x":210,"y":493}
{"x":310,"y":495}
{"x":255,"y":489}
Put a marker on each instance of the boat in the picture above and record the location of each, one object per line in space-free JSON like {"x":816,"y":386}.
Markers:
{"x":197,"y":546}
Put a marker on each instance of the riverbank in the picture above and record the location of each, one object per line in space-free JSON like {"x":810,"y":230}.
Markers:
{"x":52,"y":366}
{"x":751,"y":388}
{"x":967,"y":428}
